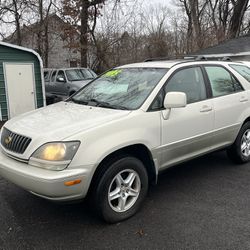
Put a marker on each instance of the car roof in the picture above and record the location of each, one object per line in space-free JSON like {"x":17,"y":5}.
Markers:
{"x":171,"y":63}
{"x":153,"y":64}
{"x":65,"y":68}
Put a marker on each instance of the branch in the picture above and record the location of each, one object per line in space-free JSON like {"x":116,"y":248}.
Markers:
{"x":95,"y":2}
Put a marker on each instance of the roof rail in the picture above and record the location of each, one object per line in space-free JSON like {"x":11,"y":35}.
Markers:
{"x":200,"y":58}
{"x":226,"y":58}
{"x":157,"y":59}
{"x":191,"y":57}
{"x":164,"y":58}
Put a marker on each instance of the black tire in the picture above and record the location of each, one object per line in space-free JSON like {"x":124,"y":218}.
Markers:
{"x":104,"y":207}
{"x":49,"y":100}
{"x":234,"y":152}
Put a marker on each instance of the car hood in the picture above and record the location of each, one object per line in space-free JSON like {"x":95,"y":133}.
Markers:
{"x":62,"y":120}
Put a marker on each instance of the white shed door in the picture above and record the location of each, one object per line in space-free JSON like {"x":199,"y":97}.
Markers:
{"x":19,"y":82}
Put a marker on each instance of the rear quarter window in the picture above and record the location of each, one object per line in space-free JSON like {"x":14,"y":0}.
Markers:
{"x":242,"y":70}
{"x":222,"y":81}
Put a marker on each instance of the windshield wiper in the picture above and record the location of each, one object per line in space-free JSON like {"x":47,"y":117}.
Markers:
{"x":79,"y":101}
{"x":96,"y":103}
{"x":112,"y":106}
{"x":106,"y":105}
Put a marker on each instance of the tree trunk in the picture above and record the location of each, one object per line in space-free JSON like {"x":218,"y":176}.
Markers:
{"x":189,"y":36}
{"x":84,"y":33}
{"x":17,"y":23}
{"x":46,"y":35}
{"x":46,"y":45}
{"x":237,"y":17}
{"x":40,"y":28}
{"x":196,"y":24}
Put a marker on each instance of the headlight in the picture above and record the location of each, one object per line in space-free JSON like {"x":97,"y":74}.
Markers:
{"x":54,"y":155}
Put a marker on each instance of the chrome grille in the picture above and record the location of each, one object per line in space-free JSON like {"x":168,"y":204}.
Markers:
{"x":14,"y":142}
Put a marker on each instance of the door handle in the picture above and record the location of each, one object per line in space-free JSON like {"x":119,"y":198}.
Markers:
{"x":206,"y":108}
{"x":243,"y":99}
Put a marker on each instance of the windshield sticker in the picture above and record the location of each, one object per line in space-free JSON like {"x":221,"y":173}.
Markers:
{"x":113,"y":73}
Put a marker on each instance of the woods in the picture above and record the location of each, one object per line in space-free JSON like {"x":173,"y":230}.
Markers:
{"x":112,"y":32}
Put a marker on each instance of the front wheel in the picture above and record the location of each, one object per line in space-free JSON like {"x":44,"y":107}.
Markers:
{"x":121,"y":189}
{"x":239,"y":152}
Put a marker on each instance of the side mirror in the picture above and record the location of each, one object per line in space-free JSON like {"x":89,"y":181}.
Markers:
{"x":175,"y":100}
{"x":60,"y":79}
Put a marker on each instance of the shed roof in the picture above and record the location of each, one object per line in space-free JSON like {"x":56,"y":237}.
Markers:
{"x":236,"y":46}
{"x":23,"y":49}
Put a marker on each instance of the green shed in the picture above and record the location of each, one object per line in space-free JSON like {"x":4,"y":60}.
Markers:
{"x":21,"y":81}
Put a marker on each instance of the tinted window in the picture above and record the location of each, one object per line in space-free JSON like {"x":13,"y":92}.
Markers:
{"x":243,"y":70}
{"x":78,"y":74}
{"x":222,"y":82}
{"x":60,"y":74}
{"x":189,"y":81}
{"x":53,"y":77}
{"x":92,"y":73}
{"x":46,"y":75}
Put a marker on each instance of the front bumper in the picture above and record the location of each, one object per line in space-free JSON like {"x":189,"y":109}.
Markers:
{"x":45,"y":183}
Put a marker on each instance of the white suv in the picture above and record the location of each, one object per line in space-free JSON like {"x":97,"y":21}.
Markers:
{"x":112,"y":138}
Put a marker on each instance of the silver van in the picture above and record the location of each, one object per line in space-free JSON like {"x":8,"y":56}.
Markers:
{"x":62,"y":83}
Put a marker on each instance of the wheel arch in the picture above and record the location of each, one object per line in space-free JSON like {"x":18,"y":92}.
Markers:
{"x":246,"y":120}
{"x":139,"y":151}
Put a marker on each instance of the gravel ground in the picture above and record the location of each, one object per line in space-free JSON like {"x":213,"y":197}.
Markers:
{"x":203,"y":204}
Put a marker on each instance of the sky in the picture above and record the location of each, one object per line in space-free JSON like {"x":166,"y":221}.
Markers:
{"x":142,"y":3}
{"x":162,"y":2}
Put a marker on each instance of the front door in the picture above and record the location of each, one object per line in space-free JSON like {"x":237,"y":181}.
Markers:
{"x":187,"y":132}
{"x":61,"y":85}
{"x":19,"y":83}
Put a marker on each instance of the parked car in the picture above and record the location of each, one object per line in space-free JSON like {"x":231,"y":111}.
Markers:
{"x":111,"y":139}
{"x":61,"y":83}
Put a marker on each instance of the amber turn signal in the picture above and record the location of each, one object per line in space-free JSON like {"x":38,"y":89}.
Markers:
{"x":71,"y":183}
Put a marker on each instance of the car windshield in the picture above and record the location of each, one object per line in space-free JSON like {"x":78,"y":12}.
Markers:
{"x":78,"y":74}
{"x":242,"y":70}
{"x":122,"y":88}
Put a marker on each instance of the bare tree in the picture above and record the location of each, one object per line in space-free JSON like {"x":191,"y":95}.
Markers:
{"x":82,"y":10}
{"x":42,"y":8}
{"x":11,"y":12}
{"x":239,"y":9}
{"x":195,"y":10}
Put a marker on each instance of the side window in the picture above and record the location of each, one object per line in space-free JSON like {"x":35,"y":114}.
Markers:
{"x":46,"y":76}
{"x":60,"y":75}
{"x":222,"y":82}
{"x":189,"y":81}
{"x":53,"y":76}
{"x":243,"y":70}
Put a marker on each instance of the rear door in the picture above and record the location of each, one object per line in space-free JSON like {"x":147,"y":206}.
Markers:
{"x":229,"y":101}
